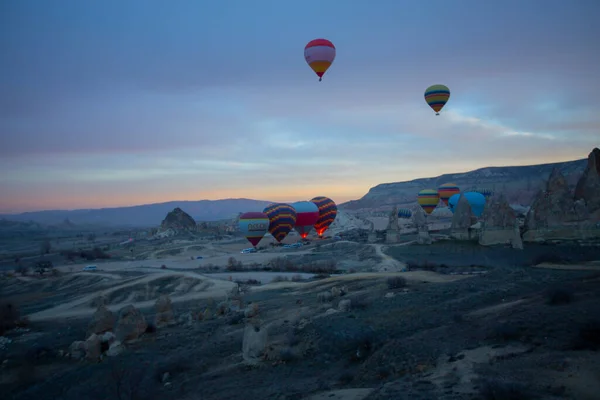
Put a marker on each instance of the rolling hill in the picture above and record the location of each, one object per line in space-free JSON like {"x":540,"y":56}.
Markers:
{"x":143,"y":215}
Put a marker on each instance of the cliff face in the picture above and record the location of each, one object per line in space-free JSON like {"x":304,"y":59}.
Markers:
{"x":518,"y":184}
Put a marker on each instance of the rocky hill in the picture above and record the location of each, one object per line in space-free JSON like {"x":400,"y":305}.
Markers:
{"x":519,"y":184}
{"x":143,"y":215}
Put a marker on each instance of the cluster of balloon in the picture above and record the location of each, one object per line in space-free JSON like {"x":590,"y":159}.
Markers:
{"x":254,"y":225}
{"x":282,"y":218}
{"x":428,"y":199}
{"x":327,"y":213}
{"x":404,"y":213}
{"x":319,"y":55}
{"x":307,"y":215}
{"x":437,"y":96}
{"x":446,"y":191}
{"x":475,"y":199}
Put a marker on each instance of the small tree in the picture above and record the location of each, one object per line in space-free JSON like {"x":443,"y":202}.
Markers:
{"x":45,"y":247}
{"x":91,"y":237}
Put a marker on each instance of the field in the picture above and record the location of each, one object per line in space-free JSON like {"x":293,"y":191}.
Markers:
{"x":338,"y":320}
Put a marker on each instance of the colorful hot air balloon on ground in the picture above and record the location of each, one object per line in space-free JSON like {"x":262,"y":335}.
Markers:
{"x":428,"y":199}
{"x":254,"y":225}
{"x":475,"y":199}
{"x":437,"y":96}
{"x":282,"y":218}
{"x":404,"y":213}
{"x":319,"y":55}
{"x":307,"y":215}
{"x":327,"y":213}
{"x":446,"y":191}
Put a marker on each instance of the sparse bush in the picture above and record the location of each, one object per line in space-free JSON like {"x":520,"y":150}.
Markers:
{"x":280,"y":278}
{"x":396,"y":282}
{"x":286,"y":354}
{"x":9,"y":316}
{"x":163,"y":266}
{"x":359,"y":302}
{"x":42,"y":266}
{"x":54,"y":272}
{"x":150,"y":328}
{"x":559,"y":296}
{"x":496,"y":389}
{"x":22,"y":269}
{"x":346,"y":377}
{"x":588,"y":337}
{"x":45,"y":247}
{"x":292,"y":338}
{"x":297,"y":278}
{"x":234,"y":265}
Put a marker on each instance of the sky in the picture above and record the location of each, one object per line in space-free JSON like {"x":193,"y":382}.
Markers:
{"x":114,"y":103}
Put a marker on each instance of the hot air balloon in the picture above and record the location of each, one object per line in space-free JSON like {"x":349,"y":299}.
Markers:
{"x":282,"y":218}
{"x":428,"y":199}
{"x":327,"y":213}
{"x":254,"y":225}
{"x":447,"y":190}
{"x":319,"y":55}
{"x":307,"y":215}
{"x":485,"y":192}
{"x":404,"y":213}
{"x":475,"y":199}
{"x":437,"y":96}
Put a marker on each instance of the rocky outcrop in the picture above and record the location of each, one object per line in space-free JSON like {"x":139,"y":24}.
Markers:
{"x":462,"y":220}
{"x":499,"y":224}
{"x":164,"y":312}
{"x":254,"y":343}
{"x":178,"y":220}
{"x":420,"y":222}
{"x":557,"y":215}
{"x":588,"y":187}
{"x":102,"y":321}
{"x":131,"y":324}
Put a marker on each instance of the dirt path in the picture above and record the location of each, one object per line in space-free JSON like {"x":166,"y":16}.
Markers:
{"x":388,"y":263}
{"x":80,"y":307}
{"x":591,"y":266}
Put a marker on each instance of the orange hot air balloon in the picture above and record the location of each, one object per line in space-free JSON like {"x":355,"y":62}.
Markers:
{"x":319,"y":55}
{"x":446,"y":191}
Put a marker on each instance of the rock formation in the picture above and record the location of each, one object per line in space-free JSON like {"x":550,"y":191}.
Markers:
{"x":178,"y":220}
{"x":588,"y":187}
{"x":131,"y":324}
{"x":102,"y":321}
{"x":254,"y":343}
{"x":558,"y":214}
{"x":462,"y":220}
{"x":164,"y":312}
{"x":499,"y":224}
{"x":420,"y":221}
{"x":391,"y":234}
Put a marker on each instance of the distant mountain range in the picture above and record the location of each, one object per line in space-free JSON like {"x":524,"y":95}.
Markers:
{"x":519,"y":184}
{"x":142,"y":215}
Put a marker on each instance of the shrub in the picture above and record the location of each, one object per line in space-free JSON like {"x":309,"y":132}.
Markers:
{"x":589,"y":336}
{"x":551,"y":258}
{"x":396,"y":282}
{"x":280,"y":278}
{"x":558,"y":296}
{"x":496,"y":389}
{"x":9,"y":316}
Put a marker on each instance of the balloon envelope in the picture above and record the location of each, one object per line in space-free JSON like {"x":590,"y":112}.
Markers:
{"x":485,"y":192}
{"x":404,"y":213}
{"x":327,"y":213}
{"x":307,"y":215}
{"x":319,"y":55}
{"x":446,"y":191}
{"x":437,"y":96}
{"x":475,"y":199}
{"x":428,"y":199}
{"x":254,"y":225}
{"x":282,"y":218}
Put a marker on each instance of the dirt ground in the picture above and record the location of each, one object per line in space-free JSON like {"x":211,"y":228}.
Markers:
{"x":463,"y":322}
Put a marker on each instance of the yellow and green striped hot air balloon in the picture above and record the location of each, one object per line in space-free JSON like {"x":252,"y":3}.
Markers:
{"x":428,"y":199}
{"x":436,"y":97}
